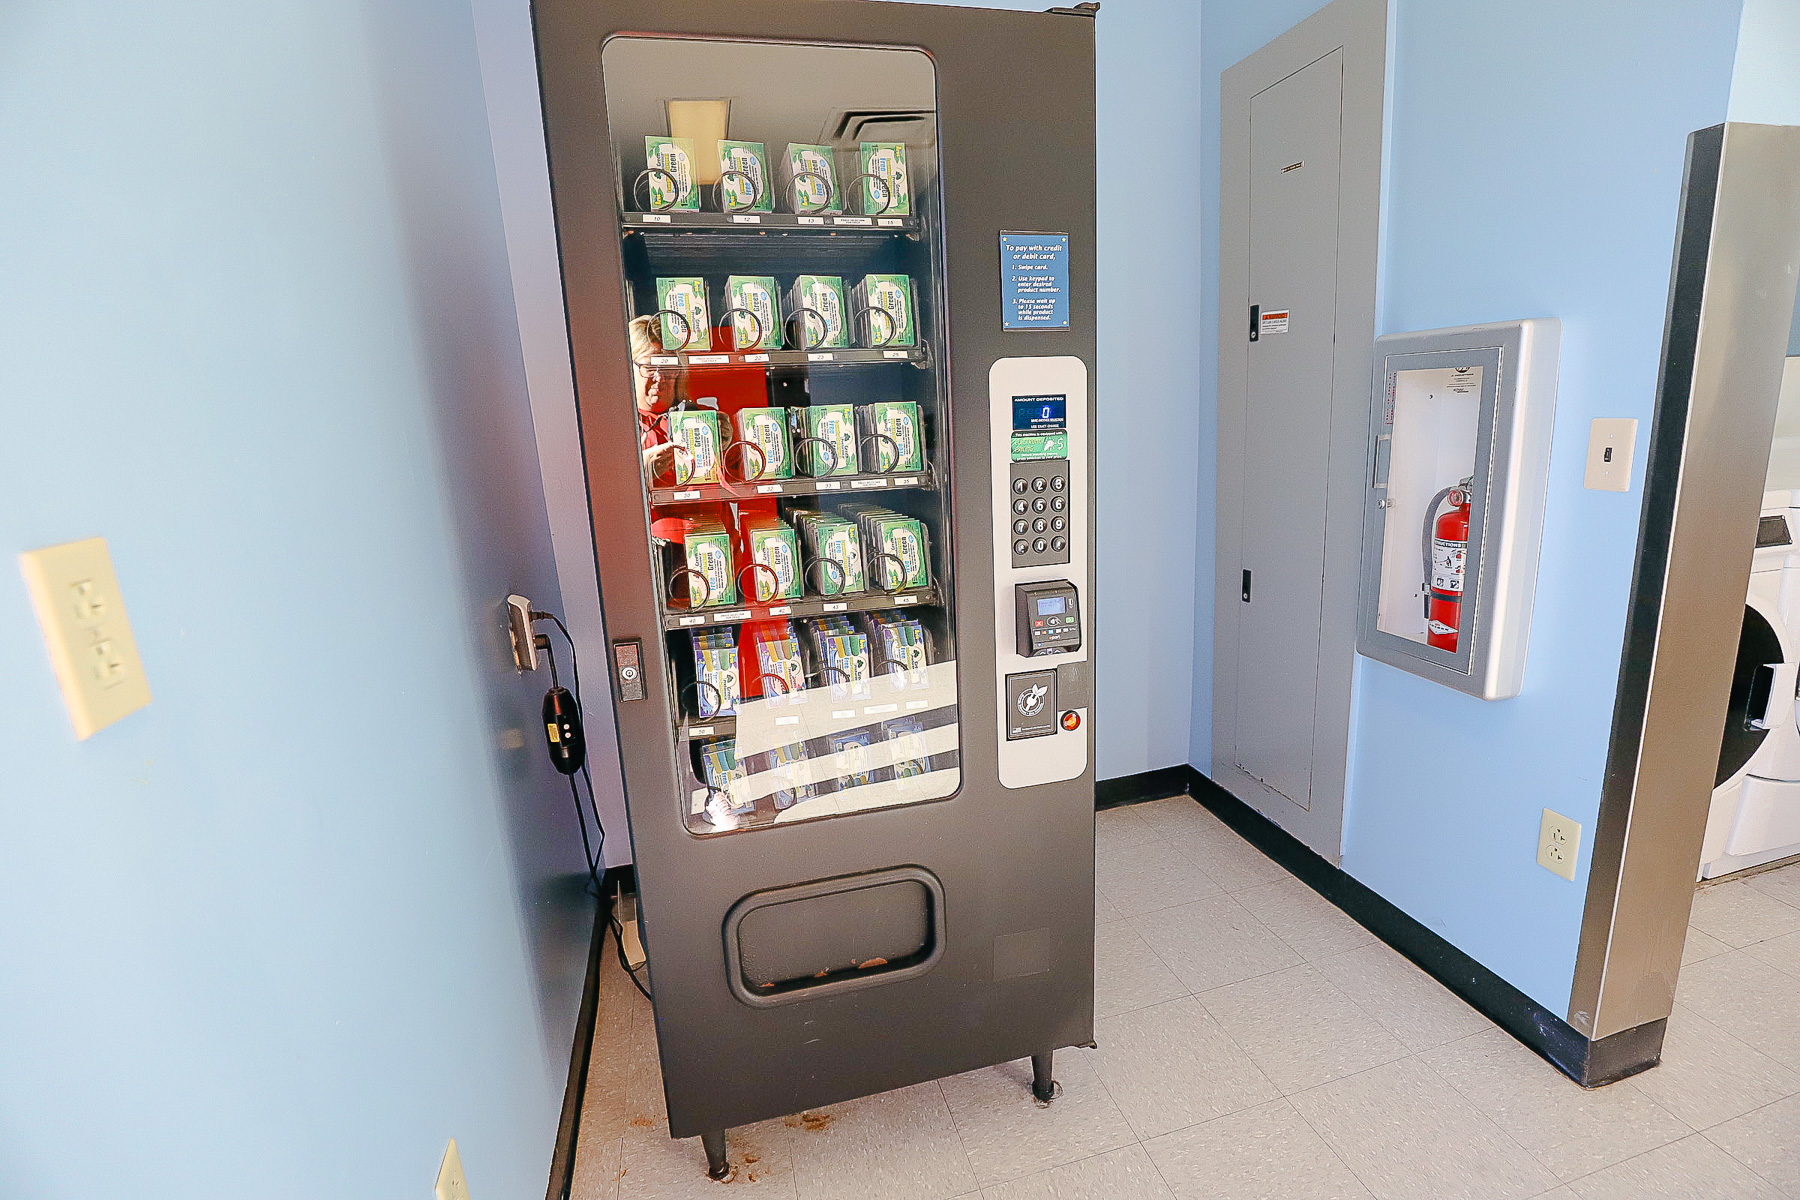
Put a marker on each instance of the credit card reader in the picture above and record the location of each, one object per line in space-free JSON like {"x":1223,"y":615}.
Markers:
{"x":1049,"y":617}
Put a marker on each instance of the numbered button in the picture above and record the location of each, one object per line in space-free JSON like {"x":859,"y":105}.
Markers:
{"x":1058,"y":544}
{"x":1039,"y":545}
{"x":1021,"y":546}
{"x":1039,"y":525}
{"x":1039,"y":484}
{"x":1039,"y":505}
{"x":1058,"y":484}
{"x":1057,"y":523}
{"x":1057,"y":503}
{"x":1021,"y":507}
{"x":1019,"y":487}
{"x":1019,"y":525}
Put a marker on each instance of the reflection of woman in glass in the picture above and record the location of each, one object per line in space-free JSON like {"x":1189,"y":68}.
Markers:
{"x":657,"y":393}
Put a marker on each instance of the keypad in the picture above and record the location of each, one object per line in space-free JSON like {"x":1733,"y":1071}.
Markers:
{"x":1040,"y":493}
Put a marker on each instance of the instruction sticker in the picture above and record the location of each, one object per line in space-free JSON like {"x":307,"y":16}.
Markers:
{"x":1274,"y":321}
{"x":1034,"y":280}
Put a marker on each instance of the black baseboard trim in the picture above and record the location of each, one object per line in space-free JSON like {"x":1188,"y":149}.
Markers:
{"x":1589,"y":1063}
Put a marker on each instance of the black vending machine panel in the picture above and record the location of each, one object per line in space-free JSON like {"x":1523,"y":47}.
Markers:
{"x":784,"y":313}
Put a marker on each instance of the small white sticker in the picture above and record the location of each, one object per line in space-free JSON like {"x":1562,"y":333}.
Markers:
{"x":851,"y":221}
{"x":867,"y":483}
{"x":768,"y":489}
{"x":657,"y":218}
{"x":787,"y":720}
{"x":746,"y":220}
{"x":827,"y":357}
{"x":781,"y":610}
{"x":750,"y":358}
{"x":906,"y":599}
{"x":709,"y":358}
{"x":896,"y":354}
{"x":699,"y":730}
{"x":872,"y":709}
{"x":741,"y":615}
{"x":890,"y":222}
{"x":812,"y":220}
{"x":905,"y":480}
{"x":687,"y":495}
{"x":664,"y":360}
{"x":1275,"y":322}
{"x":693,"y":620}
{"x":829,"y":486}
{"x":835,"y":607}
{"x":911,"y":704}
{"x":838,"y":714}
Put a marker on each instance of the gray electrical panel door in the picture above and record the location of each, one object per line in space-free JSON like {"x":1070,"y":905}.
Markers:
{"x":1294,"y":148}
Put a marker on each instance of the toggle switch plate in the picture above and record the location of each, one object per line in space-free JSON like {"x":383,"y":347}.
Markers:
{"x":1610,"y":440}
{"x":89,"y":636}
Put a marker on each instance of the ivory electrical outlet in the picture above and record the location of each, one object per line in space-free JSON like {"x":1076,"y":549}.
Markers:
{"x":450,"y":1182}
{"x":1559,"y":841}
{"x":1610,"y":440}
{"x":89,"y":636}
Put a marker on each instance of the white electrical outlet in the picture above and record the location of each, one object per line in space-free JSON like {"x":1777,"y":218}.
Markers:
{"x":1559,"y":841}
{"x":451,"y":1185}
{"x":89,"y":636}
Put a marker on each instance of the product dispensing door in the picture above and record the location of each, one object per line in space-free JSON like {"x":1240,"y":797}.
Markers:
{"x":1459,"y":455}
{"x":836,"y":415}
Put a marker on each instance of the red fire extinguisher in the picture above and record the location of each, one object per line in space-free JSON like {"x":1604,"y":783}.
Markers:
{"x":1446,"y":561}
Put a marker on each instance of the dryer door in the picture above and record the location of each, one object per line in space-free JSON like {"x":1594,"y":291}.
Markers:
{"x":1752,"y":690}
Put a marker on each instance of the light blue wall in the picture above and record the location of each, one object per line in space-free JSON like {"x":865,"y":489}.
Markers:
{"x":304,"y":918}
{"x":1535,"y":170}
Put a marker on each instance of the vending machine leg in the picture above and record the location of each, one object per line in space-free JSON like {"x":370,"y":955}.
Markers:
{"x":717,"y":1166}
{"x":1043,"y":1083}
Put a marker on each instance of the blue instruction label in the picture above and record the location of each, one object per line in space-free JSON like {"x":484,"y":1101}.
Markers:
{"x":1034,"y":280}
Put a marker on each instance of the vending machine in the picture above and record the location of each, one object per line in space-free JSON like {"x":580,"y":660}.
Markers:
{"x":829,"y":276}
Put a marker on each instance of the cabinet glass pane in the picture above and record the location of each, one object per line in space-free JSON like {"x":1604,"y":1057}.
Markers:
{"x":780,"y":225}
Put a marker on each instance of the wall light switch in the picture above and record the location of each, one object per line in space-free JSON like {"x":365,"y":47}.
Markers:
{"x":1610,"y":441}
{"x":83,"y":617}
{"x":1559,"y":841}
{"x":451,"y":1185}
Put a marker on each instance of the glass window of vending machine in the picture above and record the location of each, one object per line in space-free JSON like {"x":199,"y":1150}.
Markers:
{"x":782,"y":291}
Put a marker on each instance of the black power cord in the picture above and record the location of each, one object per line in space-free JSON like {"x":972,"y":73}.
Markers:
{"x":595,"y":858}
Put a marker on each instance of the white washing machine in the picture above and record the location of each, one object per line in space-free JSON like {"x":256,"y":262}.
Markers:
{"x":1755,"y":814}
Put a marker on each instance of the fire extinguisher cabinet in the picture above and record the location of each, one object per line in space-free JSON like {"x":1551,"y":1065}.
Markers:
{"x":1459,"y":455}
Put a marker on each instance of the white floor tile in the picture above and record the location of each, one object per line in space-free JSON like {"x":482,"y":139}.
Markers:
{"x":1707,"y":1076}
{"x":1228,"y":859}
{"x":1262,"y":1153}
{"x":1176,"y":813}
{"x":595,"y":1173}
{"x":1105,"y":911}
{"x":1300,"y":1029}
{"x":1410,"y":1004}
{"x":1700,"y":946}
{"x":1009,"y":1135}
{"x":1148,"y":877}
{"x":1213,"y":942}
{"x":900,"y":1143}
{"x":1691,"y":1169}
{"x":1783,"y":884}
{"x":1127,"y":972}
{"x":1126,"y":1174}
{"x":1172,"y":1066}
{"x":656,"y":1167}
{"x":1409,"y":1135}
{"x":1748,"y":999}
{"x":1738,"y":914}
{"x":1767,"y":1141}
{"x":1782,"y":953}
{"x":1117,"y":828}
{"x":1572,"y":1130}
{"x":1305,"y":920}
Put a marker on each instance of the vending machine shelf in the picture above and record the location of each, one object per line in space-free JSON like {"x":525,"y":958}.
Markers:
{"x":824,"y":225}
{"x":707,"y":727}
{"x":811,"y":606}
{"x":703,"y":360}
{"x":758,"y":489}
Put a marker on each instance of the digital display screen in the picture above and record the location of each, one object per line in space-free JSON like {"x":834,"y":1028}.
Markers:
{"x":1049,"y":605}
{"x":1034,"y":413}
